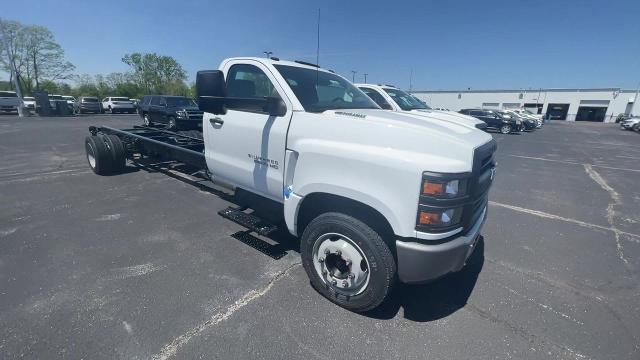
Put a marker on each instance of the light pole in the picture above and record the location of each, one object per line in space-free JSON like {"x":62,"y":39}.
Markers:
{"x":268,"y":54}
{"x":353,"y":78}
{"x":365,"y":77}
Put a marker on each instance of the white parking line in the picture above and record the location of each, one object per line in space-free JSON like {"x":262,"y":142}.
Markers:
{"x":634,"y":237}
{"x":170,"y":350}
{"x":574,"y":163}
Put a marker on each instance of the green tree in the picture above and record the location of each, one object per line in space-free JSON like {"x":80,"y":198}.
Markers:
{"x":155,"y":73}
{"x":12,"y":51}
{"x":44,"y":57}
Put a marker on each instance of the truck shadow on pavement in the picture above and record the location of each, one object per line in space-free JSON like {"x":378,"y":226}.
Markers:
{"x":435,"y":300}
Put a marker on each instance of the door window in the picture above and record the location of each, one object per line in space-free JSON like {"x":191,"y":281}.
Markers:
{"x":248,"y":82}
{"x":155,"y":100}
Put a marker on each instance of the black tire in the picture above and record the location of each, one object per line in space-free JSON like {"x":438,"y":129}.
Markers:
{"x":98,"y":156}
{"x":381,"y":264}
{"x":118,"y":157}
{"x":505,"y":129}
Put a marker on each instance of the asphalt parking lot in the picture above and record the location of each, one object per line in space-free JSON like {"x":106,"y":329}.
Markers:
{"x":140,"y":266}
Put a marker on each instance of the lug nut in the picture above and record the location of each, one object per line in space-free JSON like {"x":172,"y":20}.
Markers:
{"x":348,"y":262}
{"x":334,"y":282}
{"x":352,"y":275}
{"x":321,"y":260}
{"x":345,"y":283}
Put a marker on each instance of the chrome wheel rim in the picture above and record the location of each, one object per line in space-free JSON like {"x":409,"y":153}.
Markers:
{"x":341,"y":264}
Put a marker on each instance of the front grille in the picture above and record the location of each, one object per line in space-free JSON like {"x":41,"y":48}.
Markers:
{"x":481,"y":180}
{"x":194,"y":115}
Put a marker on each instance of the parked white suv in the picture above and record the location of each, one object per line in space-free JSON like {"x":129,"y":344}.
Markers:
{"x":9,"y":101}
{"x":29,"y":103}
{"x":391,"y":98}
{"x":118,"y":105}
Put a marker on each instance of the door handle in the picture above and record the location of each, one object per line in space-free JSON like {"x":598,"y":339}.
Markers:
{"x":216,"y":120}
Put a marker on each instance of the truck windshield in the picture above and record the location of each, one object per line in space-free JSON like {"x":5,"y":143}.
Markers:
{"x":405,"y":101}
{"x":8,"y":94}
{"x":319,"y":91}
{"x":180,"y":101}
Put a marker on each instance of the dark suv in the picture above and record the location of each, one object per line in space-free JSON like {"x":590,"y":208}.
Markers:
{"x":495,"y":119}
{"x":86,"y":104}
{"x":176,"y":112}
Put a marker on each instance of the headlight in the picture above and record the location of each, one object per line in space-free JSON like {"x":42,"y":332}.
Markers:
{"x":181,"y":113}
{"x":444,"y":188}
{"x":440,"y":218}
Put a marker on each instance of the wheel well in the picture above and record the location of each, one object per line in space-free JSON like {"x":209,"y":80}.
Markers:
{"x":318,"y":203}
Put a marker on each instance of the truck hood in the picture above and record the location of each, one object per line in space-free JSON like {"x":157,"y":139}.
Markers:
{"x":450,"y":116}
{"x":423,"y":143}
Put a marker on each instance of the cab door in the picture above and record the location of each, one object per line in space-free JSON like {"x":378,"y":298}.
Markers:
{"x":246,"y":146}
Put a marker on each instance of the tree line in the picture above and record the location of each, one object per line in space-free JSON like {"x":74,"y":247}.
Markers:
{"x":39,"y":64}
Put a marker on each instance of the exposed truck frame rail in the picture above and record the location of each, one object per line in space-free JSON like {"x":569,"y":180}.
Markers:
{"x":150,"y":141}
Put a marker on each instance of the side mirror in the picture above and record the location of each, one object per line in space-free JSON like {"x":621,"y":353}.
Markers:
{"x":211,"y":91}
{"x":275,"y":106}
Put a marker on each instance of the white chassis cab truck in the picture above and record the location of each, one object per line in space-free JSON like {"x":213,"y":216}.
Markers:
{"x":391,"y":98}
{"x":374,"y":197}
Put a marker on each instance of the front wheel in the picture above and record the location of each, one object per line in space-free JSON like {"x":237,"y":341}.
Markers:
{"x":347,"y":261}
{"x":505,"y":129}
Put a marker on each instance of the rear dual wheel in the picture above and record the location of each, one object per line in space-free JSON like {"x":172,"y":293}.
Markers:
{"x":105,"y":154}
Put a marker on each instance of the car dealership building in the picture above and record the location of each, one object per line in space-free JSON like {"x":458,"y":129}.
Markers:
{"x":602,"y":104}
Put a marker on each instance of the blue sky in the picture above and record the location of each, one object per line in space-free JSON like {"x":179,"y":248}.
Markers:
{"x":448,"y":44}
